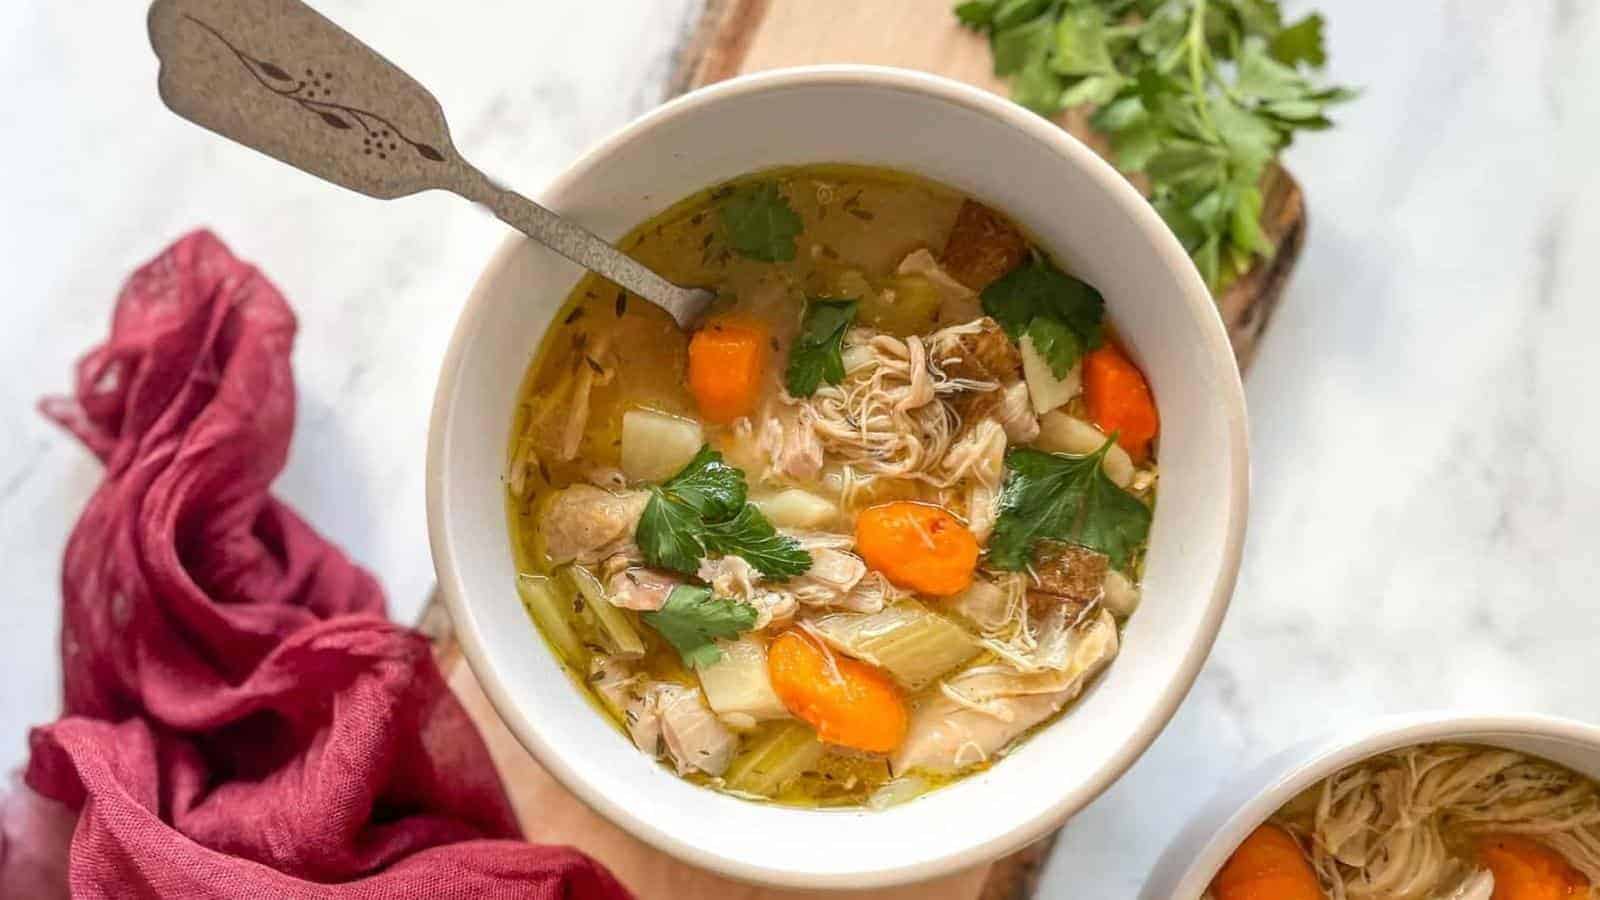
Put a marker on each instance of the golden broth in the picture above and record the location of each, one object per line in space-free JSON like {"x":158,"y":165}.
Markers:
{"x":858,"y":224}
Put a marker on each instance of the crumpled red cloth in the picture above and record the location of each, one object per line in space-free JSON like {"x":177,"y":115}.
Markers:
{"x":241,"y":720}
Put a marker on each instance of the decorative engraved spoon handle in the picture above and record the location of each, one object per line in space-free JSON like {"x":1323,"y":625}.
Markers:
{"x":276,"y":76}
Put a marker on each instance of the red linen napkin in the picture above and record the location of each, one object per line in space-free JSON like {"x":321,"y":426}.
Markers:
{"x":241,"y":720}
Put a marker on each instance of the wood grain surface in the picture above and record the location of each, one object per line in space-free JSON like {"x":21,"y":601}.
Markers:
{"x":739,"y":36}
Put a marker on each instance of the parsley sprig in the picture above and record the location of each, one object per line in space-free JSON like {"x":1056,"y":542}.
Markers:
{"x":1065,"y":498}
{"x":818,"y":355}
{"x":1199,"y":95}
{"x":692,"y":619}
{"x":702,"y":511}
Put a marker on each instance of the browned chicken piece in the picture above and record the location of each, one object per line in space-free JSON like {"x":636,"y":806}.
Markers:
{"x":982,"y":246}
{"x":1068,"y":570}
{"x":979,"y":352}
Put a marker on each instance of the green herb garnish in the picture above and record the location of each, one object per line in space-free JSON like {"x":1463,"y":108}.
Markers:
{"x":1200,"y":95}
{"x":692,"y":619}
{"x":1066,"y":498}
{"x":818,"y":355}
{"x":1058,"y":313}
{"x":702,"y":510}
{"x":760,"y":223}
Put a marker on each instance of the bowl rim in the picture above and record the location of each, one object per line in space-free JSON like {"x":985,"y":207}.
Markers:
{"x":1216,"y":829}
{"x":1233,"y":484}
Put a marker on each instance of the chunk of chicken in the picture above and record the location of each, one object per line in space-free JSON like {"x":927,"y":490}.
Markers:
{"x":871,"y":594}
{"x":586,"y":524}
{"x":981,"y":710}
{"x":1068,"y":570}
{"x":614,"y":680}
{"x":790,"y":445}
{"x":638,"y":588}
{"x":833,"y":574}
{"x":733,"y":577}
{"x":988,"y":602}
{"x":983,"y":245}
{"x":674,"y":719}
{"x":1015,"y":413}
{"x":979,"y":457}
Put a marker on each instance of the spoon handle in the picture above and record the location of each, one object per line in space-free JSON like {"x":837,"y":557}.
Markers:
{"x":586,"y":249}
{"x":277,"y":76}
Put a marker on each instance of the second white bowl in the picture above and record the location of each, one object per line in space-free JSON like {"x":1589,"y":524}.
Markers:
{"x":1199,"y":851}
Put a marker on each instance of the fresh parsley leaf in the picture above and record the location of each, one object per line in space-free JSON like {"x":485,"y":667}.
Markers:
{"x":1198,"y":95}
{"x":1015,"y":47}
{"x":668,"y":534}
{"x":1061,"y":314}
{"x":1008,"y":13}
{"x":1081,"y":47}
{"x":1038,"y":87}
{"x":817,"y":355}
{"x":692,"y":620}
{"x":710,"y":487}
{"x":1301,"y":43}
{"x":701,"y":511}
{"x":760,"y":223}
{"x":975,"y":13}
{"x":1056,"y":342}
{"x":751,"y":536}
{"x":1066,"y":498}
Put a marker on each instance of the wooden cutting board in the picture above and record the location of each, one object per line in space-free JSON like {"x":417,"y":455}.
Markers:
{"x":739,"y":36}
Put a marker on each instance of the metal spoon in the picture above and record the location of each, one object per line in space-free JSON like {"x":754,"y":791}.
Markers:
{"x":276,"y":76}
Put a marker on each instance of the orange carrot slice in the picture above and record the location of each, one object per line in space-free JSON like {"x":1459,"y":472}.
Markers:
{"x":727,"y":358}
{"x":1267,"y":866}
{"x":848,"y":702}
{"x":1119,"y":400}
{"x":917,"y":546}
{"x":1524,"y":869}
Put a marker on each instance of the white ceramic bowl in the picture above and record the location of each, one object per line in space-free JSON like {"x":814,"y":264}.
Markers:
{"x":1198,"y":852}
{"x":1095,"y":224}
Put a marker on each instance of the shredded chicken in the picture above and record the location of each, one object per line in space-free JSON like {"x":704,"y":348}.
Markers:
{"x":890,"y":418}
{"x":1378,"y":827}
{"x":1015,"y":413}
{"x":978,"y":459}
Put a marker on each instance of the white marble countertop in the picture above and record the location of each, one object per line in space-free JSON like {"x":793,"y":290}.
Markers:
{"x":1424,"y":524}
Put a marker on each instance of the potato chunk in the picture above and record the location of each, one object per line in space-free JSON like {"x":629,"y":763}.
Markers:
{"x":655,"y":445}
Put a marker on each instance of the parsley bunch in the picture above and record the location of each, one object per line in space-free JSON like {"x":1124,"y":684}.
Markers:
{"x":1199,"y":95}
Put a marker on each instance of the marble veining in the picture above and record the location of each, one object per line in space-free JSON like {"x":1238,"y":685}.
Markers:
{"x":1424,"y":521}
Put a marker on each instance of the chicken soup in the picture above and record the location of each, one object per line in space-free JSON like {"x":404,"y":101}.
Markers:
{"x":870,"y":523}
